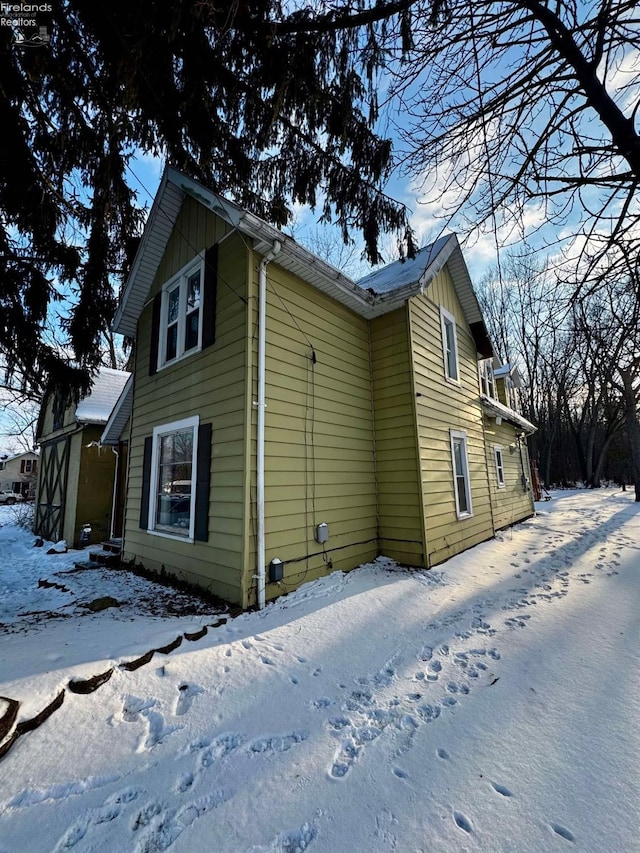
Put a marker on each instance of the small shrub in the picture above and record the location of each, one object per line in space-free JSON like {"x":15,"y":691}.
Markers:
{"x":21,"y":515}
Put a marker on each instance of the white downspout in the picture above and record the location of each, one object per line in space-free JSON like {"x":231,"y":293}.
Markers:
{"x":262,"y":342}
{"x":115,"y":492}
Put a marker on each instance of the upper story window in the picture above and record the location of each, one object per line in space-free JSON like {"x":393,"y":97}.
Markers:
{"x":181,"y":323}
{"x":487,"y":379}
{"x":449,"y":344}
{"x":28,"y":466}
{"x":59,"y":407}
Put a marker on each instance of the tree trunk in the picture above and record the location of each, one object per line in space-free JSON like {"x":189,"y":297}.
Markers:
{"x":602,"y":456}
{"x":633,"y":425}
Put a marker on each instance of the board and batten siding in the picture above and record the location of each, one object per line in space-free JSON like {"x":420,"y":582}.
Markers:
{"x":442,"y":406}
{"x":511,"y":503}
{"x":210,"y":384}
{"x":319,"y":445}
{"x":401,"y":520}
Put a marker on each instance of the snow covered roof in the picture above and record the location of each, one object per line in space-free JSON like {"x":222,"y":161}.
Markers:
{"x":509,"y":370}
{"x":23,"y":454}
{"x":495,"y":409}
{"x":96,"y":407}
{"x":403,"y":273}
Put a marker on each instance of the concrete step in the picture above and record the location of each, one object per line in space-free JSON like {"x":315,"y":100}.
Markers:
{"x":109,"y":559}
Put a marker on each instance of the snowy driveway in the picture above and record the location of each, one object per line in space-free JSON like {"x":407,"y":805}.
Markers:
{"x":488,"y":705}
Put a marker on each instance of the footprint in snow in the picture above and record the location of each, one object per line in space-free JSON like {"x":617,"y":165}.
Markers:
{"x":500,"y":789}
{"x":136,"y":710}
{"x":563,"y":832}
{"x":463,"y":822}
{"x":276,"y":743}
{"x":442,"y":753}
{"x":296,"y":840}
{"x":186,"y":694}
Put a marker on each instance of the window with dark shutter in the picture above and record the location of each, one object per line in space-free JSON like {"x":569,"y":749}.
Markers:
{"x":155,"y":334}
{"x":146,"y":483}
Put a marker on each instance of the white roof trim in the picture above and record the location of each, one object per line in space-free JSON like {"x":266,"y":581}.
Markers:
{"x":175,"y":186}
{"x":119,"y":415}
{"x":495,"y":409}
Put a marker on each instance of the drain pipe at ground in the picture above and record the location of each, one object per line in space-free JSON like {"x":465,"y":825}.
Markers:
{"x":115,"y":492}
{"x":262,"y":341}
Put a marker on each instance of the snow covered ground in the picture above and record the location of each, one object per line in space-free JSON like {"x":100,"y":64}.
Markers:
{"x":492,"y":704}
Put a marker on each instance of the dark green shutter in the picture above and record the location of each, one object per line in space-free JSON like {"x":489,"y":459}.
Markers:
{"x":209,"y":296}
{"x":155,"y":334}
{"x":146,"y":483}
{"x":203,"y":478}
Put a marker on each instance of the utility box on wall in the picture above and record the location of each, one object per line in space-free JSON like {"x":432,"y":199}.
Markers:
{"x":276,"y":570}
{"x":322,"y":533}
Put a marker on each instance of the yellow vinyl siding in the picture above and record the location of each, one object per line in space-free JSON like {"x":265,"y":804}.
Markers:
{"x":319,"y":453}
{"x":440,"y":407}
{"x":511,"y":503}
{"x":210,"y":384}
{"x":401,"y":524}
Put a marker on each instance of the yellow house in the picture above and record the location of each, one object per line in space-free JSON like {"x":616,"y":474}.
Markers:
{"x":284,"y":421}
{"x":75,"y":475}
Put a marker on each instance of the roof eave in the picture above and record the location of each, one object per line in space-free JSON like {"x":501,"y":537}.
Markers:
{"x":497,"y":410}
{"x":119,"y":415}
{"x":174,"y":186}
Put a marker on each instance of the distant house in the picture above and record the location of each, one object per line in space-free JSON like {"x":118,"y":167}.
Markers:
{"x":19,"y":473}
{"x":284,"y":420}
{"x":75,"y":480}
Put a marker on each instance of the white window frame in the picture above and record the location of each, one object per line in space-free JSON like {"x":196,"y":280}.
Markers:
{"x":448,"y":320}
{"x":455,"y":436}
{"x":498,"y":454}
{"x":487,"y":378}
{"x":180,"y":279}
{"x":159,"y":431}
